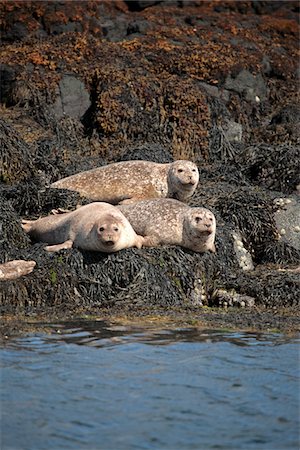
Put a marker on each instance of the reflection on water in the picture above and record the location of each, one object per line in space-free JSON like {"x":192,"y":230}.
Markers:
{"x":93,"y":385}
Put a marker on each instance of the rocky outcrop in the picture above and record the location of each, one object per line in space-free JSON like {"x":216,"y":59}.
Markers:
{"x":86,"y":84}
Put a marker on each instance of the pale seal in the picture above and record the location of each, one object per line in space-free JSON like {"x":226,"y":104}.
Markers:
{"x":130,"y":181}
{"x":14,"y":269}
{"x":170,"y":222}
{"x":96,"y":226}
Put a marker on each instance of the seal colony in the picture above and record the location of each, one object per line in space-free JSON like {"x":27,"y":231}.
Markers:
{"x":96,"y":226}
{"x":170,"y":222}
{"x":132,"y":181}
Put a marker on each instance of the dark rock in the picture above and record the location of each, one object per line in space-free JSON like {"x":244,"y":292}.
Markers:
{"x":7,"y":79}
{"x":288,"y":115}
{"x":137,"y":27}
{"x":17,"y":32}
{"x":115,"y":30}
{"x":252,"y":86}
{"x":139,"y":5}
{"x":72,"y":98}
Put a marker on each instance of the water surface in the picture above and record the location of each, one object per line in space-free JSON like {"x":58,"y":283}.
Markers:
{"x":92,"y":385}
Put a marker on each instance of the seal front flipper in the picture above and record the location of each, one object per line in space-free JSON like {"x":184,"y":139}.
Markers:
{"x":212,"y":248}
{"x":139,"y":241}
{"x":57,"y":247}
{"x":151,"y":241}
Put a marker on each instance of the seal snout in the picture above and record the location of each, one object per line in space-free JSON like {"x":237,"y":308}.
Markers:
{"x":109,"y":243}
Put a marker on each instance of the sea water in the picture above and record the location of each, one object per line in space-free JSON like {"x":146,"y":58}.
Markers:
{"x":93,"y":385}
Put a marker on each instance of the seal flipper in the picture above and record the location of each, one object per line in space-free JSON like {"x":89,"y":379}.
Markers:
{"x":151,"y":241}
{"x":140,"y":240}
{"x":55,"y":248}
{"x":212,"y":248}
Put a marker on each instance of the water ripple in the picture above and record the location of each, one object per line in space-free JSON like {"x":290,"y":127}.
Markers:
{"x":95,"y":385}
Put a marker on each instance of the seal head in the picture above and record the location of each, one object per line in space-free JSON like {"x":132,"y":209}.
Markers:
{"x":183,"y":178}
{"x":199,"y":229}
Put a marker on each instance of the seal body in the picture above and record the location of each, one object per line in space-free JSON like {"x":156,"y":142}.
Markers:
{"x":171,"y":222}
{"x":96,"y":226}
{"x":14,"y":269}
{"x":131,"y":181}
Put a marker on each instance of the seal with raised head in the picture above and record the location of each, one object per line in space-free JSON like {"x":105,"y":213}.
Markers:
{"x":96,"y":226}
{"x":131,"y":181}
{"x":170,"y":222}
{"x":12,"y":270}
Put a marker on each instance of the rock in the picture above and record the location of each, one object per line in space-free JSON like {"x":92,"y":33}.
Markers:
{"x":139,"y":5}
{"x":230,"y":298}
{"x":7,"y":79}
{"x":233,"y":131}
{"x":252,"y":86}
{"x":222,"y":94}
{"x":288,"y":221}
{"x":115,"y":30}
{"x":73,"y":99}
{"x":243,"y":256}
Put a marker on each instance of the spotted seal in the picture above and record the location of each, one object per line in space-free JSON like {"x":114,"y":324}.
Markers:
{"x":171,"y":222}
{"x":14,"y":269}
{"x":97,"y":226}
{"x":131,"y":181}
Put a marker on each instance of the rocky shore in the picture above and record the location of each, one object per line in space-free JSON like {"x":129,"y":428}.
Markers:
{"x":87,"y":83}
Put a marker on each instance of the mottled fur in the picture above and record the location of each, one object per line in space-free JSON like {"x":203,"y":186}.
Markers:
{"x":170,"y":222}
{"x":130,"y":181}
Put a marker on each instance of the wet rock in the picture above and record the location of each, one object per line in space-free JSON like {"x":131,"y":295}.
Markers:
{"x":73,"y":99}
{"x":224,"y":298}
{"x":251,"y":86}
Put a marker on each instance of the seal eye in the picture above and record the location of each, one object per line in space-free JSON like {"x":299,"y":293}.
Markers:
{"x":198,"y":219}
{"x":116,"y":229}
{"x":101,"y":229}
{"x":193,"y":170}
{"x":180,"y":170}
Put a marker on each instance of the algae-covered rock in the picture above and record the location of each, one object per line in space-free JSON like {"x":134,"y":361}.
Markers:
{"x":91,"y":83}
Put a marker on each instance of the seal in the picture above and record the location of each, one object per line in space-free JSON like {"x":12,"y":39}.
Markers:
{"x":131,"y":181}
{"x":171,"y":222}
{"x":14,"y":269}
{"x":97,"y":226}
